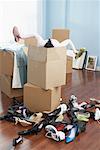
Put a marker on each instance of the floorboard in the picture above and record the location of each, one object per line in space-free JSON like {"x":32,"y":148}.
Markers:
{"x":82,"y":83}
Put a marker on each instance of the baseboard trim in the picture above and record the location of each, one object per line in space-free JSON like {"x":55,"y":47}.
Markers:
{"x":98,"y":68}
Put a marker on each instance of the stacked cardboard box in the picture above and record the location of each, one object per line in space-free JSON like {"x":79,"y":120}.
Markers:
{"x":61,"y":35}
{"x":69,"y":63}
{"x":5,"y":83}
{"x":7,"y":64}
{"x":38,"y":99}
{"x":46,"y":74}
{"x":6,"y":69}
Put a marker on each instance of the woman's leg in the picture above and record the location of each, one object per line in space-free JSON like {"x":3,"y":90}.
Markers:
{"x":69,"y":42}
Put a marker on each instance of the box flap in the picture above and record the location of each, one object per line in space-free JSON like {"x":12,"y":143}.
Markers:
{"x":60,"y":34}
{"x":43,"y":54}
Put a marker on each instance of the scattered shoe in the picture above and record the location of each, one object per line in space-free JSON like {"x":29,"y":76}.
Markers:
{"x":59,"y":136}
{"x":81,"y":126}
{"x":34,"y":130}
{"x":51,"y":128}
{"x":59,"y":118}
{"x":82,"y":117}
{"x":61,"y":109}
{"x":72,"y":134}
{"x":54,"y":134}
{"x":97,"y":114}
{"x":17,"y":140}
{"x":97,"y":105}
{"x":23,"y":122}
{"x":73,"y":103}
{"x":48,"y":44}
{"x":36,"y":117}
{"x":95,"y":100}
{"x":83,"y":114}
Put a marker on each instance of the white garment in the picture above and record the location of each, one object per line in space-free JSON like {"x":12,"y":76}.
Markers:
{"x":41,"y":42}
{"x":16,"y":82}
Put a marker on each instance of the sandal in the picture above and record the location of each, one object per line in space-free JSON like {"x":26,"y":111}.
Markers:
{"x":95,"y":100}
{"x":37,"y":117}
{"x":54,"y":134}
{"x":82,"y":117}
{"x":59,"y":118}
{"x":34,"y":130}
{"x":97,"y":114}
{"x":23,"y":122}
{"x":72,"y":134}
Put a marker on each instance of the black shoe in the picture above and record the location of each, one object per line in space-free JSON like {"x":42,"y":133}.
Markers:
{"x":8,"y":117}
{"x":34,"y":130}
{"x":17,"y":140}
{"x":55,"y":112}
{"x":81,"y":126}
{"x":48,"y":44}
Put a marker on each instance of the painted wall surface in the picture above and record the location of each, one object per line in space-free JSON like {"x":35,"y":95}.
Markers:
{"x":44,"y":18}
{"x":55,"y":15}
{"x":83,"y":20}
{"x":82,"y":17}
{"x":24,"y":14}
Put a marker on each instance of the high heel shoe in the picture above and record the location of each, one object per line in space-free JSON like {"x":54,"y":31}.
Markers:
{"x":34,"y":130}
{"x":72,"y":134}
{"x":97,"y":114}
{"x":17,"y":140}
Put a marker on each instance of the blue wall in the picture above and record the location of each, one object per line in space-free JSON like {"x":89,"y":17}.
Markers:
{"x":82,"y":17}
{"x":83,"y":21}
{"x":55,"y":15}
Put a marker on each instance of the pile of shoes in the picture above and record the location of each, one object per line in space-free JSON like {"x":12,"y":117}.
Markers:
{"x":56,"y":126}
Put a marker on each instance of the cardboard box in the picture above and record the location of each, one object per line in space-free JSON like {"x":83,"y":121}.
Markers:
{"x":30,"y":41}
{"x":37,"y":99}
{"x":5,"y":84}
{"x":7,"y":63}
{"x":9,"y":56}
{"x":60,"y":34}
{"x":69,"y":62}
{"x":47,"y":67}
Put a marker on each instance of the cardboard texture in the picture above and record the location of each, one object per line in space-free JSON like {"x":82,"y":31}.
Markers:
{"x":69,"y":62}
{"x":60,"y":34}
{"x":47,"y":67}
{"x":30,"y":41}
{"x":37,"y":99}
{"x":8,"y":62}
{"x":0,"y":63}
{"x":5,"y":84}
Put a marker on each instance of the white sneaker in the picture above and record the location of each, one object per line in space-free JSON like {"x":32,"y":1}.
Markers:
{"x":63,"y":109}
{"x":97,"y":114}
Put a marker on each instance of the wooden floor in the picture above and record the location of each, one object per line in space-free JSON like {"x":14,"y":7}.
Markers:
{"x":84,"y":84}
